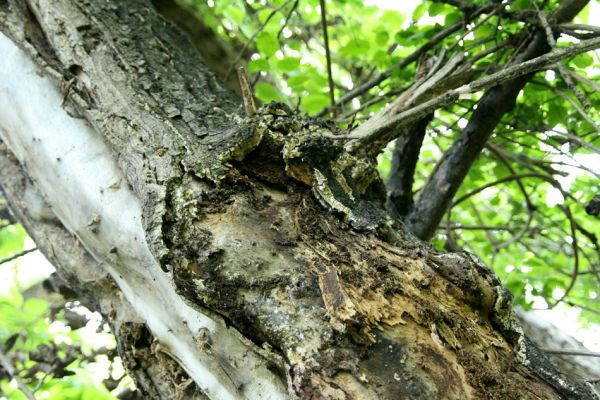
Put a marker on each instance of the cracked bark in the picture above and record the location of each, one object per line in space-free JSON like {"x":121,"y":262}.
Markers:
{"x":243,"y":280}
{"x":450,"y":172}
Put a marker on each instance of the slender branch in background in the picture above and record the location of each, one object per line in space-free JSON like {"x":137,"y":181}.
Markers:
{"x":584,"y":80}
{"x":468,"y":7}
{"x":328,"y":56}
{"x":534,"y":64}
{"x":572,"y":352}
{"x":478,"y":228}
{"x":489,"y":51}
{"x":357,"y":91}
{"x":488,"y":234}
{"x":580,"y":31}
{"x":14,"y":257}
{"x":508,"y":178}
{"x":575,"y":272}
{"x":477,"y":25}
{"x":580,"y":27}
{"x":528,"y":202}
{"x":287,"y":18}
{"x":8,"y":367}
{"x":376,"y":99}
{"x":577,"y":108}
{"x":251,"y":38}
{"x":561,"y":68}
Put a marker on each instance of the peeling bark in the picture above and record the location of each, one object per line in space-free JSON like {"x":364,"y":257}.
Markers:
{"x":253,"y":253}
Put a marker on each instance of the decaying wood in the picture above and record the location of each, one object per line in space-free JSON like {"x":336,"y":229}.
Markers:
{"x":256,"y":254}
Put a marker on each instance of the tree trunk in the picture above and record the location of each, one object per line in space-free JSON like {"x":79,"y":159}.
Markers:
{"x":250,"y":256}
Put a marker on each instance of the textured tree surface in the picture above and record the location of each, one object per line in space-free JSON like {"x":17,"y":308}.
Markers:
{"x":234,"y":257}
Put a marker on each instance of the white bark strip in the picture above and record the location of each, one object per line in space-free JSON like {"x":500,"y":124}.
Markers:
{"x":74,"y":170}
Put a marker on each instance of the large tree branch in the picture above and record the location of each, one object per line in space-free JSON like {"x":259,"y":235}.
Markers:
{"x":382,"y":130}
{"x":451,"y":171}
{"x":404,"y":161}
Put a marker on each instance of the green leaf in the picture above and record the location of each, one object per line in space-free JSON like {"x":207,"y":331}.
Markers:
{"x":392,"y":18}
{"x":314,"y":103}
{"x":355,"y":47}
{"x":583,"y":60}
{"x":418,"y":12}
{"x":288,"y":64}
{"x":382,"y":38}
{"x":521,"y":5}
{"x":266,"y":92}
{"x":436,"y":9}
{"x":452,"y":18}
{"x":234,"y":14}
{"x":267,"y":43}
{"x":259,"y":65}
{"x":297,"y":82}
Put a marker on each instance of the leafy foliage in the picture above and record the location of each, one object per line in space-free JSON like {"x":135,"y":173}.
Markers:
{"x":41,"y":339}
{"x":532,"y":230}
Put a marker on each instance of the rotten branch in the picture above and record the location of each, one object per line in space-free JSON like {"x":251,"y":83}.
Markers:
{"x":376,"y":131}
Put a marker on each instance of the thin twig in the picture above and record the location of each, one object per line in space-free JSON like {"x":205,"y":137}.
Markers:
{"x":503,"y":180}
{"x":580,"y":27}
{"x":357,"y":91}
{"x":575,"y":271}
{"x":477,"y":25}
{"x":528,"y":202}
{"x":584,"y":80}
{"x":15,"y":256}
{"x":41,"y":382}
{"x":479,"y":228}
{"x":577,"y":108}
{"x":251,"y":38}
{"x":8,"y":367}
{"x":561,"y":68}
{"x":287,"y":18}
{"x":328,"y":56}
{"x":573,"y":352}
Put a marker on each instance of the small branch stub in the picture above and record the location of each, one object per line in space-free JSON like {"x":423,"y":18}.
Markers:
{"x":249,"y":105}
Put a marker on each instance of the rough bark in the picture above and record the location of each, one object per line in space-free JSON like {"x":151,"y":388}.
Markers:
{"x":255,"y":253}
{"x":217,"y":54}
